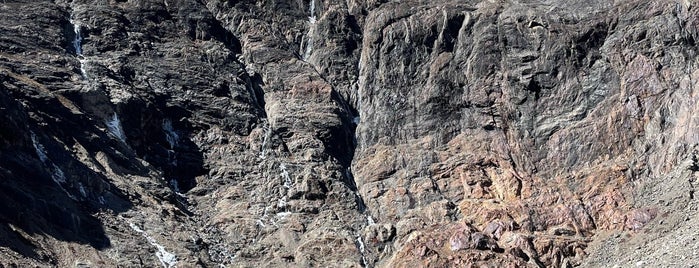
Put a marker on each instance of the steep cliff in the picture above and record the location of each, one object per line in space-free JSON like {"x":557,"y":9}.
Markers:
{"x":323,"y":133}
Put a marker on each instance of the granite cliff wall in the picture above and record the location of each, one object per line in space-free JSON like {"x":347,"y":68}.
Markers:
{"x":351,"y":133}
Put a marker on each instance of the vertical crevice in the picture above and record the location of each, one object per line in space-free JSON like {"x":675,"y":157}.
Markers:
{"x":351,"y":122}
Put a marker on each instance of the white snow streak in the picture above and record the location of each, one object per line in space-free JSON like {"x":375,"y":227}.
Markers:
{"x":114,"y":126}
{"x":285,"y":175}
{"x":265,"y":139}
{"x":167,"y":259}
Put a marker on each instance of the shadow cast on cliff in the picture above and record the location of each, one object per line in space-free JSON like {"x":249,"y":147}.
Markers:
{"x":44,"y":189}
{"x":159,"y":133}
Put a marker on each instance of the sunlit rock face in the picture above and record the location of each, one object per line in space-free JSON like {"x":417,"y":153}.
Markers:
{"x":322,"y":133}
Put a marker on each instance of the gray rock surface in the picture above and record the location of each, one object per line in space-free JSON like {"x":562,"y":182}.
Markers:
{"x":323,"y":133}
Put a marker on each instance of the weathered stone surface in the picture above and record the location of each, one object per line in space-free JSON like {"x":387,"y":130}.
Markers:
{"x":330,"y":133}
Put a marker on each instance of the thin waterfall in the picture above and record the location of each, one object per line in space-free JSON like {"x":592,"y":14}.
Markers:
{"x":78,"y":48}
{"x":170,"y":135}
{"x":311,"y":31}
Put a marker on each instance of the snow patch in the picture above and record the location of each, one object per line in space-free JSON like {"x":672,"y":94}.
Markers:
{"x":114,"y":126}
{"x":370,"y":220}
{"x":283,"y":215}
{"x":282,"y":203}
{"x":167,"y":259}
{"x":261,"y":221}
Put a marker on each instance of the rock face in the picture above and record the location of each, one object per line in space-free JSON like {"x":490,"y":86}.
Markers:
{"x":323,"y":133}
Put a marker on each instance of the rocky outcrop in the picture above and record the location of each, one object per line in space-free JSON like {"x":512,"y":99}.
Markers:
{"x":347,"y":133}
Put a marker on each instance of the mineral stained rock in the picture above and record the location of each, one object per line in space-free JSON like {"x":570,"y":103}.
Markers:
{"x":325,"y":133}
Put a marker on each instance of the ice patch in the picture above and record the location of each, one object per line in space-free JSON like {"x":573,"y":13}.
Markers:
{"x":81,"y":188}
{"x":265,"y":139}
{"x":40,"y":151}
{"x":312,"y":17}
{"x":78,"y":48}
{"x":172,"y":139}
{"x":172,"y":156}
{"x":114,"y":126}
{"x":309,"y":45}
{"x":285,"y":175}
{"x":170,"y":134}
{"x":82,"y":67}
{"x":77,"y":39}
{"x":57,"y":174}
{"x":362,"y":206}
{"x":356,"y":120}
{"x":167,"y":259}
{"x":175,"y":186}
